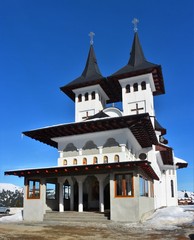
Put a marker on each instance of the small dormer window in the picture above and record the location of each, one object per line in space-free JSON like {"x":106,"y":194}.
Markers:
{"x":86,"y":96}
{"x":143,"y":85}
{"x":93,"y":95}
{"x":128,"y":88}
{"x":79,"y":98}
{"x":135,"y":87}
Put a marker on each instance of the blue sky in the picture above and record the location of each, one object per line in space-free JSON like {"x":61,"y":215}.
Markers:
{"x":44,"y":45}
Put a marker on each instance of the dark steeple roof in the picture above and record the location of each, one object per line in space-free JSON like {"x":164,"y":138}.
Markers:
{"x":90,"y":76}
{"x":137,"y":65}
{"x":137,"y":59}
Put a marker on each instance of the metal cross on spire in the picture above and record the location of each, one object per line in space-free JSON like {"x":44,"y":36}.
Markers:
{"x":135,"y":22}
{"x":91,"y":35}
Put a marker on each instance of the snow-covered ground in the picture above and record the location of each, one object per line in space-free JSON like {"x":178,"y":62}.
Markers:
{"x":171,"y":217}
{"x":14,"y":216}
{"x":168,"y":218}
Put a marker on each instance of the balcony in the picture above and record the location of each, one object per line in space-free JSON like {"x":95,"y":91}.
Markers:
{"x":96,"y":156}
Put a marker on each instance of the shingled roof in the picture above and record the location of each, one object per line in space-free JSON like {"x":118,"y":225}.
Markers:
{"x":140,"y":126}
{"x":91,"y":75}
{"x":137,"y":65}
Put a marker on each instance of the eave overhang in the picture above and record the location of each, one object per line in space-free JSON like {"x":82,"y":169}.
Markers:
{"x":181,"y":165}
{"x":166,"y":154}
{"x":115,"y":93}
{"x":68,"y":89}
{"x":140,"y":126}
{"x":85,"y":170}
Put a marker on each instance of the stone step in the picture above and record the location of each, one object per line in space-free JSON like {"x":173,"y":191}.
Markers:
{"x":71,"y":216}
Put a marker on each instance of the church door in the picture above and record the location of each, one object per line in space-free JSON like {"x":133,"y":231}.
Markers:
{"x":91,"y":194}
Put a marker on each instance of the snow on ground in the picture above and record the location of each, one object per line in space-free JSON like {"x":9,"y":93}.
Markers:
{"x":168,"y":218}
{"x":13,"y":218}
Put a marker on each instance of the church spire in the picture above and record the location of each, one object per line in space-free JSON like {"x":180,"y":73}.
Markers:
{"x":136,"y":56}
{"x":91,"y":70}
{"x":91,"y":74}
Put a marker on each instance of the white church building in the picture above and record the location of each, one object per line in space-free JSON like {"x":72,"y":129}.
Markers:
{"x":110,"y":159}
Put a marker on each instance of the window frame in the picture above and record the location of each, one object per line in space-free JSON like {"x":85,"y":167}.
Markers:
{"x":95,"y":160}
{"x":93,"y":95}
{"x":84,"y":161}
{"x":54,"y":188}
{"x":86,"y":95}
{"x":124,"y":185}
{"x":172,"y":188}
{"x":135,"y":87}
{"x":143,"y":85}
{"x":128,"y":88}
{"x":34,"y":195}
{"x":75,"y":161}
{"x":79,"y":97}
{"x":105,"y":159}
{"x":144,"y":187}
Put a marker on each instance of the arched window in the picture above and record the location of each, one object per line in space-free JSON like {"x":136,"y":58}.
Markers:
{"x":135,"y":87}
{"x":84,"y":161}
{"x":65,"y":162}
{"x":128,"y":88}
{"x":79,"y":98}
{"x":93,"y":95}
{"x":116,"y":158}
{"x":86,"y":96}
{"x":172,"y":188}
{"x":143,"y":85}
{"x":74,"y":161}
{"x":105,"y":159}
{"x":95,"y":160}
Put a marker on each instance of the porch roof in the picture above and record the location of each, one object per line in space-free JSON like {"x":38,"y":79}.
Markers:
{"x":85,"y":169}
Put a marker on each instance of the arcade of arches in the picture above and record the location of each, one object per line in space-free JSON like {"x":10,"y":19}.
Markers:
{"x":81,"y":193}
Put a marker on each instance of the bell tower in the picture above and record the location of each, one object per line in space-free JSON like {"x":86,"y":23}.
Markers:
{"x":87,"y":91}
{"x":139,"y":80}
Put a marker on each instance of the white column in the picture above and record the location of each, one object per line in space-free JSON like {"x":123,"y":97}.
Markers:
{"x":61,"y":197}
{"x":72,"y":198}
{"x":43,"y":194}
{"x":101,"y":195}
{"x":80,"y":199}
{"x":71,"y":193}
{"x":101,"y":191}
{"x":123,"y":146}
{"x":80,"y":180}
{"x":100,"y":149}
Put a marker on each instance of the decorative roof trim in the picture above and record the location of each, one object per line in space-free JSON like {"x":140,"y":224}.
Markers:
{"x":140,"y":125}
{"x":84,"y":169}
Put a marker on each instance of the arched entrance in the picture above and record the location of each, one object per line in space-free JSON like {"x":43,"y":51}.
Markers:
{"x":91,"y":194}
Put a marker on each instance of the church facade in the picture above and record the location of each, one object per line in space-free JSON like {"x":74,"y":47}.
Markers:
{"x":110,"y":159}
